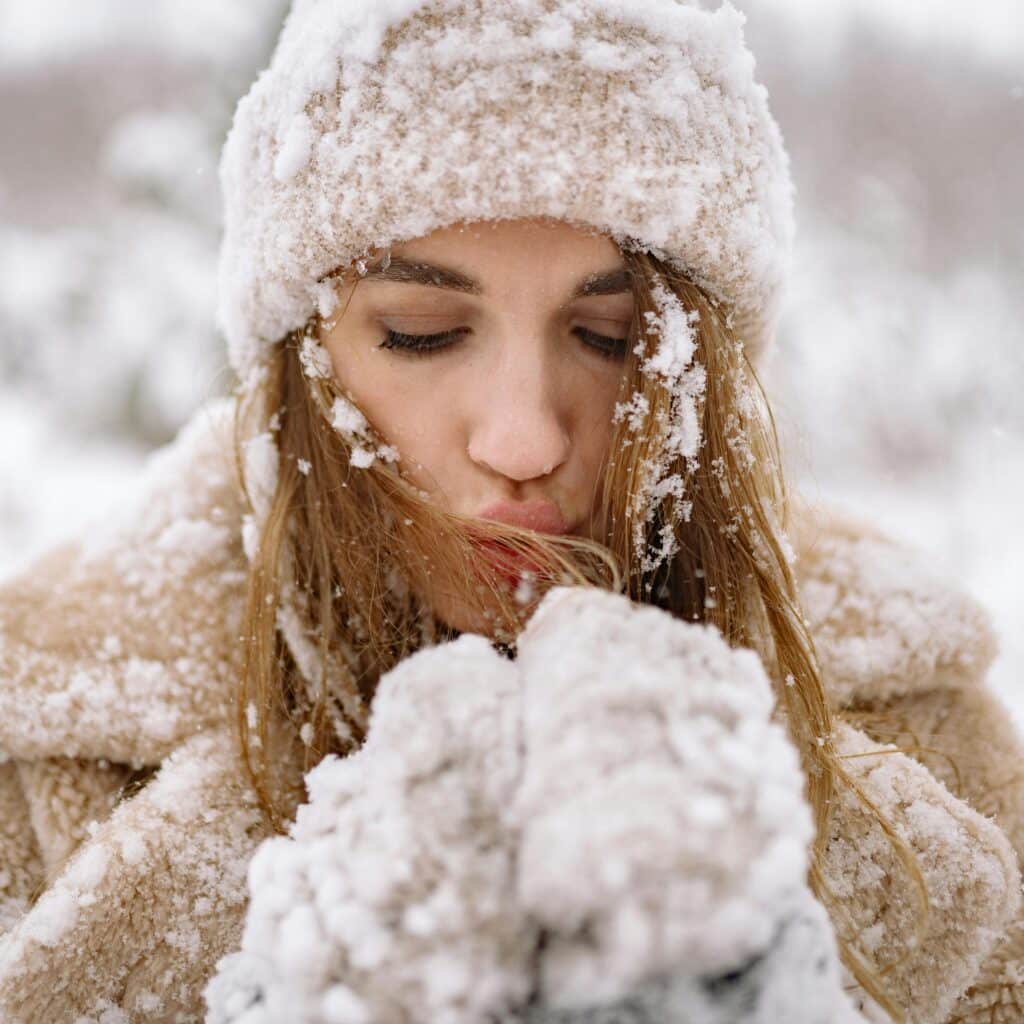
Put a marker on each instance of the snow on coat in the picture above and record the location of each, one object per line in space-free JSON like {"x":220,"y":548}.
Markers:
{"x":128,"y":828}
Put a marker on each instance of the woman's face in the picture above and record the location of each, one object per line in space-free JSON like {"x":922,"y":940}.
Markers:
{"x":491,"y":356}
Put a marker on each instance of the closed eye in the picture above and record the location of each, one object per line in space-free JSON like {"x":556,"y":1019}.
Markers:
{"x":610,"y":348}
{"x":421,"y":344}
{"x":424,"y":344}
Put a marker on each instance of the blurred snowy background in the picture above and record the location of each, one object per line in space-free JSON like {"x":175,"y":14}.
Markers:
{"x":900,"y":368}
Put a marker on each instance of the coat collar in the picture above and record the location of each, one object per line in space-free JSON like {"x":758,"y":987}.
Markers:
{"x":885,"y":621}
{"x":124,"y":644}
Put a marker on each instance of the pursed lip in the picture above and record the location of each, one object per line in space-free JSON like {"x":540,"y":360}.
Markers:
{"x":505,"y":562}
{"x":541,"y":516}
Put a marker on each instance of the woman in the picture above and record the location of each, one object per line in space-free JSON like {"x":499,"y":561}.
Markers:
{"x":494,"y":280}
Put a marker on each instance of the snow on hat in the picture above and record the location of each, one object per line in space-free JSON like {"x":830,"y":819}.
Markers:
{"x":382,"y":120}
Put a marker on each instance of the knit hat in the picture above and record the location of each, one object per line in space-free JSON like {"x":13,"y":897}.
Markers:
{"x":382,"y":120}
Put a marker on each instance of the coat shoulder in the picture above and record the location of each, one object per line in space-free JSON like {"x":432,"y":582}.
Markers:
{"x":123,"y":642}
{"x":138,"y":915}
{"x":886,"y":621}
{"x":938,"y":849}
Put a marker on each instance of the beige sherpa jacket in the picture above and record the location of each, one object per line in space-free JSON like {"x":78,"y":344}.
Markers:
{"x":126,"y":827}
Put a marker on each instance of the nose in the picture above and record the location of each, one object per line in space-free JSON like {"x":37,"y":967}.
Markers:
{"x":519,"y":428}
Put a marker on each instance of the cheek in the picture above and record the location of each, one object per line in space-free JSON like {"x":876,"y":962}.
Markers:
{"x":420,"y":420}
{"x":594,"y":432}
{"x":593,"y":445}
{"x":597,"y":406}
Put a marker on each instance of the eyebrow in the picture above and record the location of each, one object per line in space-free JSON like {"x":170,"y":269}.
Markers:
{"x":415,"y":272}
{"x":612,"y":282}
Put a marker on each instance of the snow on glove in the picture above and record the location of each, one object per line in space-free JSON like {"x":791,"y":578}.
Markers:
{"x":393,"y":899}
{"x":609,"y":831}
{"x":664,"y":835}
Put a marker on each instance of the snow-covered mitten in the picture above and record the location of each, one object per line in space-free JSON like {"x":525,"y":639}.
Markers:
{"x":609,"y":831}
{"x":393,"y":899}
{"x":664,"y":834}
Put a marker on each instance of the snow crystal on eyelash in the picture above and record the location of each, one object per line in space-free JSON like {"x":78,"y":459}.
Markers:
{"x":348,"y":421}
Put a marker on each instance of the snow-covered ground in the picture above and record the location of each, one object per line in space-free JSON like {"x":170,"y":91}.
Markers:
{"x":899,"y":368}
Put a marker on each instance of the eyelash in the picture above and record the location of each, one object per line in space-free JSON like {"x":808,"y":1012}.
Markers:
{"x":420,"y":344}
{"x":428,"y":344}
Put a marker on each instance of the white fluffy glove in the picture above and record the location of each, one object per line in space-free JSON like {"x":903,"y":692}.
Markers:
{"x":663,"y":832}
{"x":393,"y":898}
{"x":608,"y":830}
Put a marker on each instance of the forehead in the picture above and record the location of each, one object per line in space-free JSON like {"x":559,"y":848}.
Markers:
{"x":483,"y":257}
{"x":485,"y":236}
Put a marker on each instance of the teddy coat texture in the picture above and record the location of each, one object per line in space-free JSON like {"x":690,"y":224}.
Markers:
{"x":126,"y":826}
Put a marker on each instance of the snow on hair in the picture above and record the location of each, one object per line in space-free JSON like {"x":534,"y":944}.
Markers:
{"x":672,"y":364}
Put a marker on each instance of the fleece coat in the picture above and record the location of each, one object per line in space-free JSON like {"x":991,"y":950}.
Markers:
{"x":126,"y":826}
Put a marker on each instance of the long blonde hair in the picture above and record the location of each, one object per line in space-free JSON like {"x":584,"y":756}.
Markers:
{"x":356,"y":544}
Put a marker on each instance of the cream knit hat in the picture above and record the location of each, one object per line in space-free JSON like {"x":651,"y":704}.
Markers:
{"x":382,"y":120}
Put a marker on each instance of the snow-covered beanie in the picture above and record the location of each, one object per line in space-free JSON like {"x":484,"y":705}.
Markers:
{"x":381,"y":120}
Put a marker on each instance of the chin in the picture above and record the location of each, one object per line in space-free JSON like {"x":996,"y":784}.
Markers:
{"x":464,"y":618}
